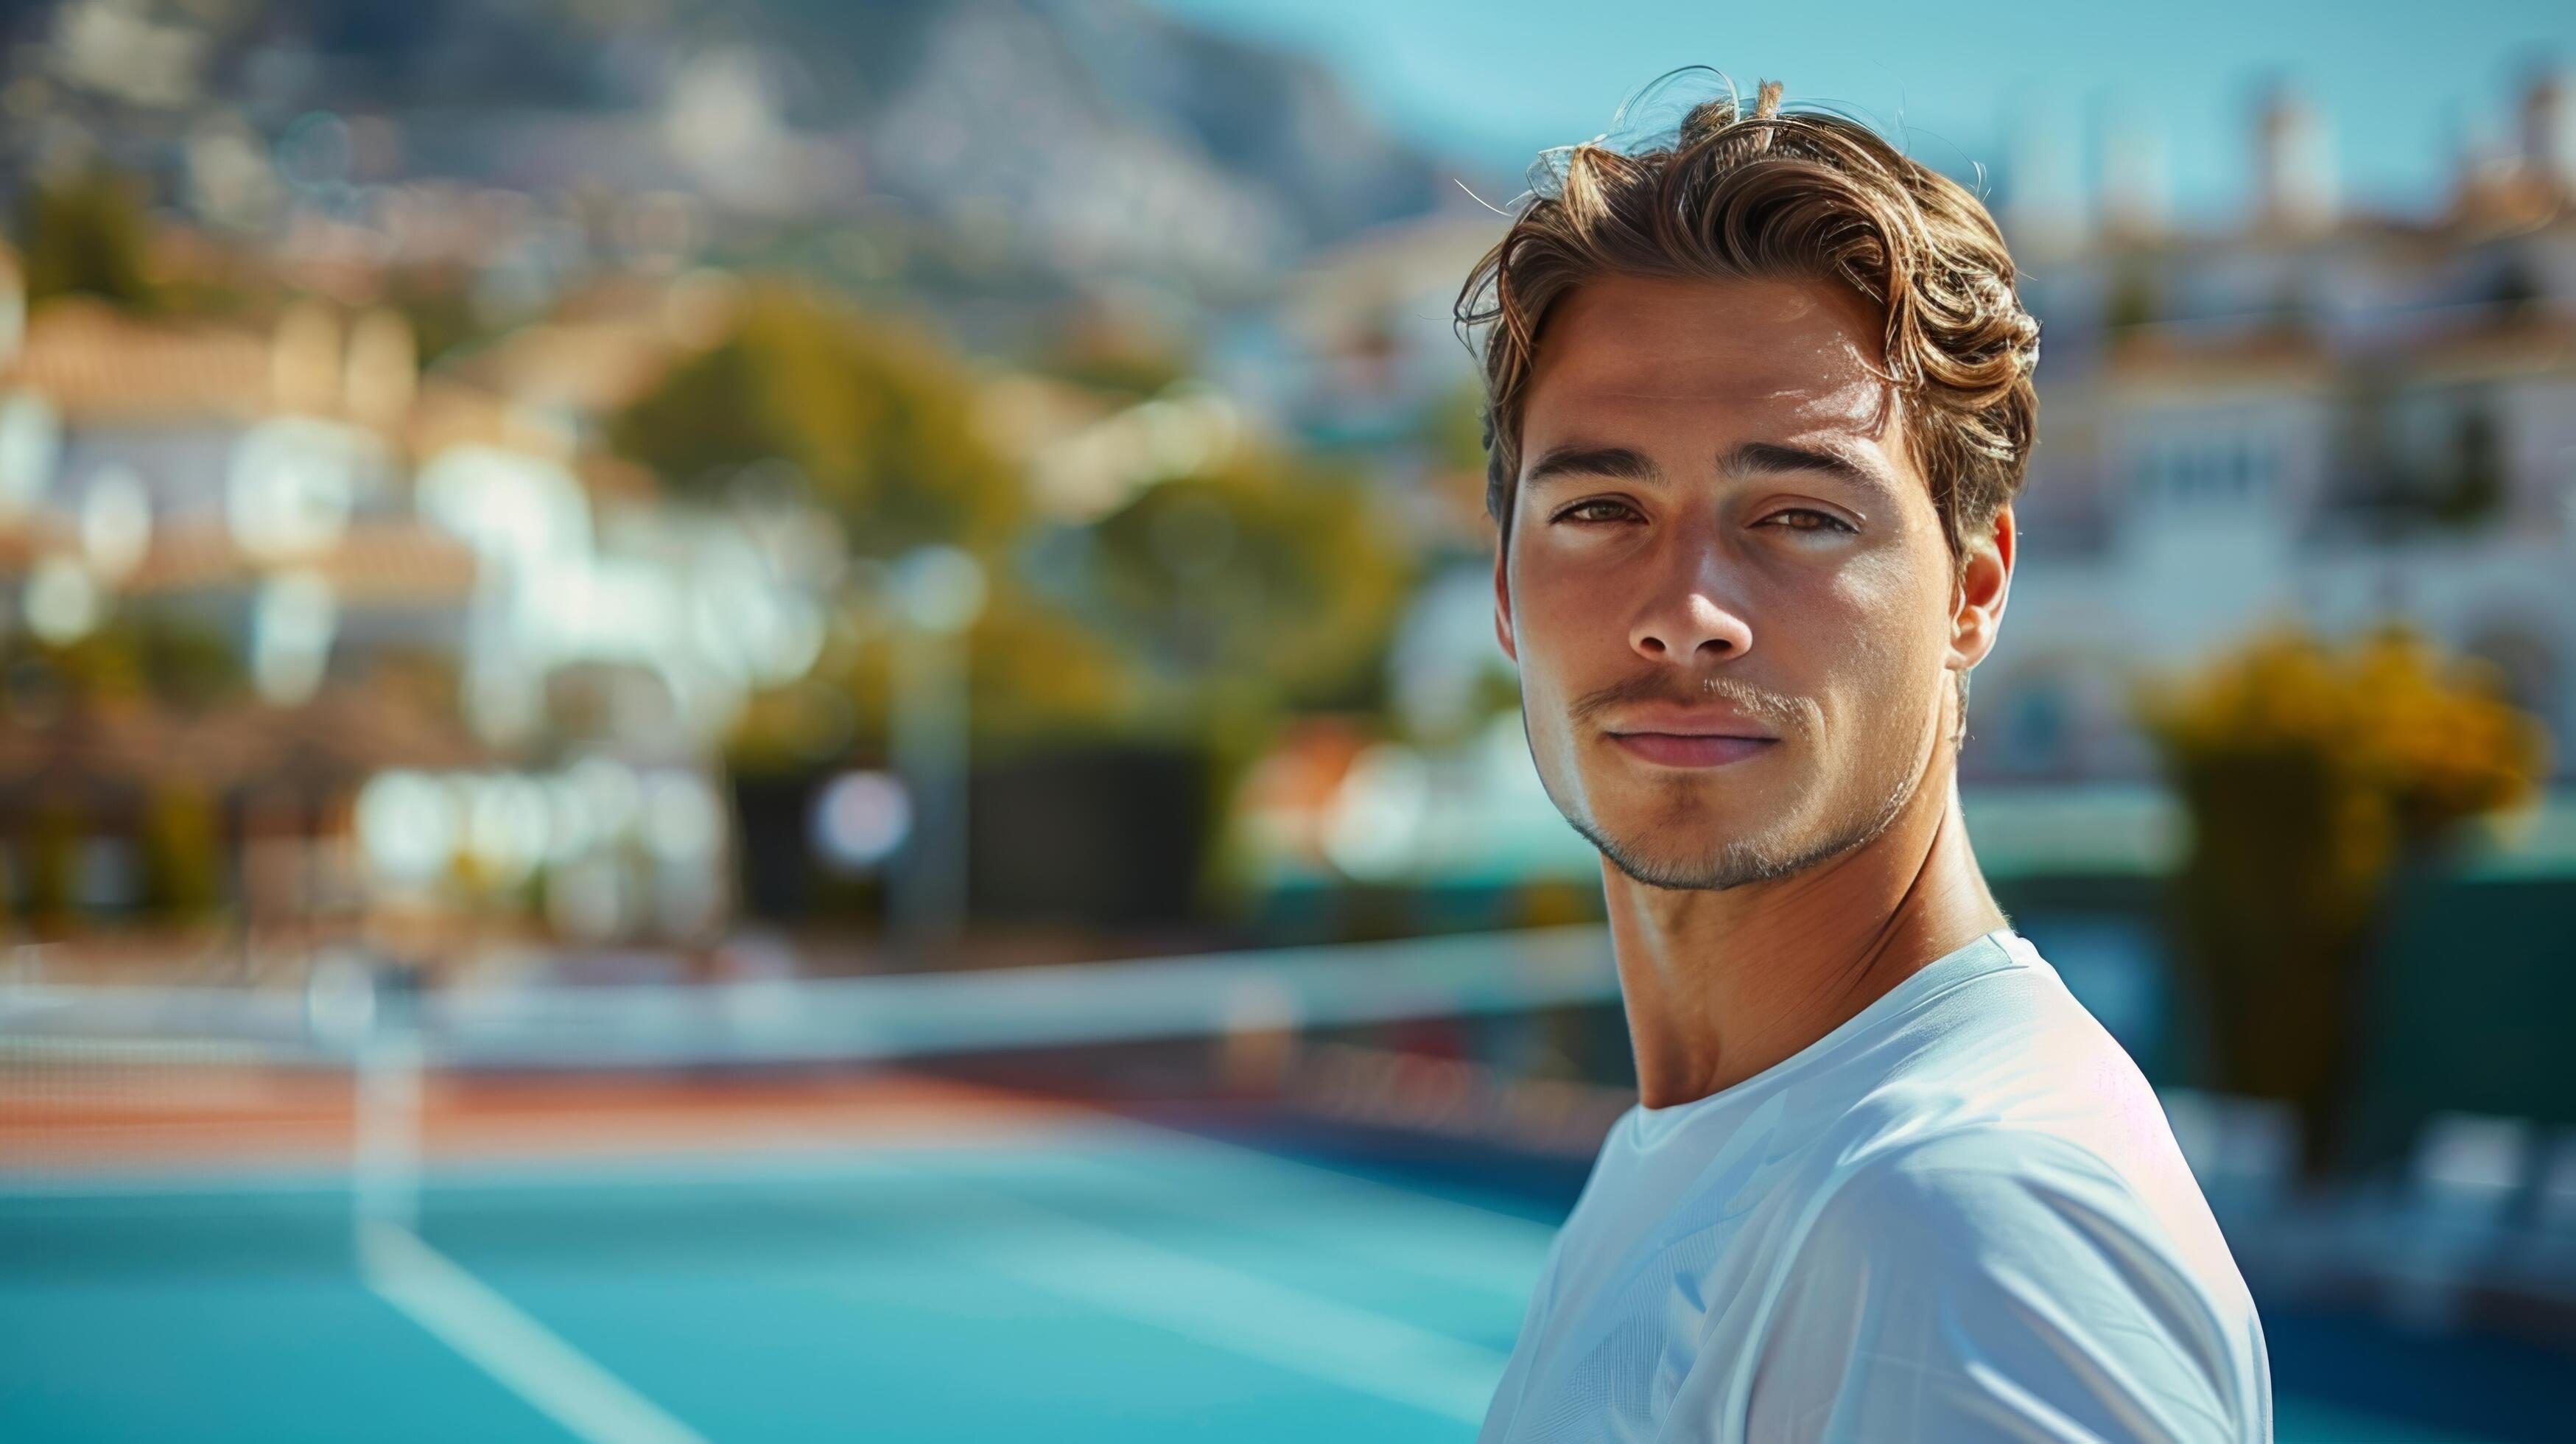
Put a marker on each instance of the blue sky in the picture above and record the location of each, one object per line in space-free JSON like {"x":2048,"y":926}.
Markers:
{"x":2402,"y":87}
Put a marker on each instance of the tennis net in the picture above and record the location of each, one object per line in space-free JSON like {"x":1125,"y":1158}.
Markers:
{"x":365,"y":1070}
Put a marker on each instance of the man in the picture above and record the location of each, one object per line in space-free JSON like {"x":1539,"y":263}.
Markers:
{"x":1759,"y":402}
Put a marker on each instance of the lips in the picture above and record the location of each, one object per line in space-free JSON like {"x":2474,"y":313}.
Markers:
{"x":1687,"y":749}
{"x":1691,"y":736}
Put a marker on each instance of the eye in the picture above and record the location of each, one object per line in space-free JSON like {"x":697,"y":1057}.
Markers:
{"x":1808,"y":519}
{"x":1598,"y":509}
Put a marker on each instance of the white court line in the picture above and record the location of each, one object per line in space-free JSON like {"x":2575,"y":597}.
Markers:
{"x":1212,"y":1304}
{"x":529,"y":1359}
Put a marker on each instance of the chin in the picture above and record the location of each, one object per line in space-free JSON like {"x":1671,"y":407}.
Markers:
{"x":1694,"y":844}
{"x":1712,"y":859}
{"x":1704,"y":832}
{"x":1715,"y":811}
{"x":1711,"y":865}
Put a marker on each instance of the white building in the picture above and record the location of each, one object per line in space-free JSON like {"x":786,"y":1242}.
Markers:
{"x":2331,"y":420}
{"x":469,"y":652}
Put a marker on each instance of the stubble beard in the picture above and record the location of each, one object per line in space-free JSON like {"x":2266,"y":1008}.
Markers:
{"x":1741,"y":861}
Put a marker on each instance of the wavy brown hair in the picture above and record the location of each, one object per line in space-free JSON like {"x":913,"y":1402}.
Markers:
{"x":1771,"y":195}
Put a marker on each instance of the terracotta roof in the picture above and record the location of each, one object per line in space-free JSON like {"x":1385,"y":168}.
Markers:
{"x":590,"y":367}
{"x":398,"y":561}
{"x":95,"y":363}
{"x":2496,"y":345}
{"x":378,"y":560}
{"x":2197,"y":358}
{"x":2472,"y":341}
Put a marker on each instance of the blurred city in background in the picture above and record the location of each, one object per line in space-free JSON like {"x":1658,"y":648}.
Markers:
{"x":897,"y":596}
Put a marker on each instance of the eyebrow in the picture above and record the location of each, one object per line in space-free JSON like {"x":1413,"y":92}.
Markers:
{"x":1618,"y":463}
{"x":1621,"y":463}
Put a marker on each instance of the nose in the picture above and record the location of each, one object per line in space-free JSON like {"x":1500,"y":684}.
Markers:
{"x":1691,"y":624}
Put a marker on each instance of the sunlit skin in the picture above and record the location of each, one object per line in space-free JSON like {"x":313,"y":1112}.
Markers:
{"x":1739,"y":628}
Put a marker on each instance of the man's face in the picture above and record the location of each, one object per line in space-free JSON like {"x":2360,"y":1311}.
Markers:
{"x":1725,"y":583}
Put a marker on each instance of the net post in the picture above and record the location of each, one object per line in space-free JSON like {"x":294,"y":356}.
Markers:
{"x":386,"y":1134}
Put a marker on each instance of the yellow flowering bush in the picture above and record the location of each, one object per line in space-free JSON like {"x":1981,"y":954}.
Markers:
{"x":2313,"y":775}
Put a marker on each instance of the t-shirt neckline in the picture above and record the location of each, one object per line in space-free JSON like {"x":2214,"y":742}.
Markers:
{"x":1946,"y":968}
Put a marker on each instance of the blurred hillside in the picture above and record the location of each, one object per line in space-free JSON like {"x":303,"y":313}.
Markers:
{"x":1037,"y":148}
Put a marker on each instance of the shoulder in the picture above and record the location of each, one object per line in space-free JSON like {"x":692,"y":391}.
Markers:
{"x":1997,"y":1209}
{"x":2016,"y":1072}
{"x":1994,"y":1276}
{"x":1971,"y":1180}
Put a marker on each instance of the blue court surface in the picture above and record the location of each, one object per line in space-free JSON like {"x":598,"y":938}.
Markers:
{"x":1110,"y":1281}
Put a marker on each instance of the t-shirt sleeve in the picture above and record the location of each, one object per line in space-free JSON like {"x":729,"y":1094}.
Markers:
{"x":1945,"y":1295}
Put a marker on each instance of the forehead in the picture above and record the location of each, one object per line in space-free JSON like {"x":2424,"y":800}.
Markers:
{"x":1739,"y":357}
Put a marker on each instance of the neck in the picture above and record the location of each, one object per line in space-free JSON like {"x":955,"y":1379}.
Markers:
{"x":1722,"y":985}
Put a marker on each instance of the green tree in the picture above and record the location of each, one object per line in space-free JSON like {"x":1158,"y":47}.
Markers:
{"x":2474,"y":491}
{"x":86,"y":234}
{"x":879,"y":419}
{"x":1453,"y":430}
{"x":2316,"y":779}
{"x":2133,"y":301}
{"x":1266,"y":583}
{"x":183,"y":853}
{"x":49,"y":837}
{"x":144,"y":653}
{"x":1115,"y":361}
{"x":1265,"y":586}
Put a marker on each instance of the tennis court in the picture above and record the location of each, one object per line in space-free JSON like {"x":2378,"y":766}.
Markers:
{"x":730,"y":1221}
{"x":1100,"y":1281}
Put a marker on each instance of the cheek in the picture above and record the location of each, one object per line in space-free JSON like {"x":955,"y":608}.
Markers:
{"x":1567,"y":625}
{"x":1885,"y":622}
{"x":1556,"y":591}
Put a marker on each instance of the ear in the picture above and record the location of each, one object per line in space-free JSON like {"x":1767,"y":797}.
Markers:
{"x":1984,"y":581}
{"x":1503,"y":594}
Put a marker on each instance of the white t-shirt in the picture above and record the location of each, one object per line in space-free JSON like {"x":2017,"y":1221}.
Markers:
{"x":1958,"y":1216}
